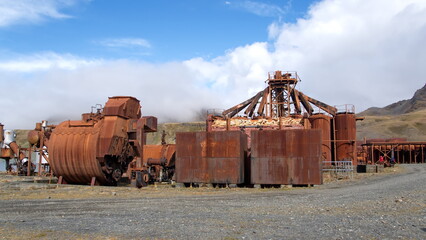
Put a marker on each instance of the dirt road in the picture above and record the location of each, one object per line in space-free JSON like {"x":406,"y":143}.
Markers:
{"x":388,"y":206}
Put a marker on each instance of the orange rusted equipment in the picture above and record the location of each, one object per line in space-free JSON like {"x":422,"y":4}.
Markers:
{"x":97,"y":150}
{"x":279,"y":136}
{"x":280,"y":106}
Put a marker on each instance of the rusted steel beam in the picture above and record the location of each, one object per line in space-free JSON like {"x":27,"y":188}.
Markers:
{"x":329,"y":109}
{"x":262,"y":104}
{"x":250,"y":109}
{"x":296,"y":101}
{"x":235,"y":109}
{"x":305,"y":102}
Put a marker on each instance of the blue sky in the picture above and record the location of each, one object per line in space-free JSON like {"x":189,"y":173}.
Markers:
{"x":60,"y":57}
{"x":155,"y":31}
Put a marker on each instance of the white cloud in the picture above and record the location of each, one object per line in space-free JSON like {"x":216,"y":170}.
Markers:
{"x":24,"y":11}
{"x":369,"y":53}
{"x":46,"y":61}
{"x":167,"y":91}
{"x":261,"y":8}
{"x":125,"y":43}
{"x":362,"y":52}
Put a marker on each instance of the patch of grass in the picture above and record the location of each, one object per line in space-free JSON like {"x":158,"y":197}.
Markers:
{"x":411,"y":126}
{"x":420,"y":126}
{"x":399,"y":129}
{"x":171,"y":129}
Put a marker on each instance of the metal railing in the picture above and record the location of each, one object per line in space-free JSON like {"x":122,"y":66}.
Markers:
{"x":339,"y":169}
{"x":345,"y":108}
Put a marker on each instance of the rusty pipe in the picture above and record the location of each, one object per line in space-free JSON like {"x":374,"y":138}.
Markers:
{"x":160,"y":161}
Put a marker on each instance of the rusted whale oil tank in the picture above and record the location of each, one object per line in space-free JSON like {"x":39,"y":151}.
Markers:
{"x":322,"y":122}
{"x":345,"y":124}
{"x":98,"y":147}
{"x":286,"y":157}
{"x":211,"y":157}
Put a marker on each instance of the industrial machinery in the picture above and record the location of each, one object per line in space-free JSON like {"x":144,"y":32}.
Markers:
{"x":287,"y":138}
{"x":11,"y":150}
{"x":105,"y":145}
{"x":281,"y":106}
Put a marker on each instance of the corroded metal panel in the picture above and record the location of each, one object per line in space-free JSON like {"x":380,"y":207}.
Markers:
{"x":210,"y":157}
{"x":286,"y":157}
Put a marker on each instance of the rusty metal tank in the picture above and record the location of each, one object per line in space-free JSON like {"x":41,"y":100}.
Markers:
{"x":99,"y":148}
{"x":345,"y":127}
{"x":322,"y":122}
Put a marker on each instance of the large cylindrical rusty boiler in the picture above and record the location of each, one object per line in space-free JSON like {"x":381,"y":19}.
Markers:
{"x":98,"y":149}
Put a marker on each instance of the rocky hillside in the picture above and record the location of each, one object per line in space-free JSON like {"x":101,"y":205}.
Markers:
{"x":416,"y":103}
{"x":411,"y":126}
{"x":403,"y":119}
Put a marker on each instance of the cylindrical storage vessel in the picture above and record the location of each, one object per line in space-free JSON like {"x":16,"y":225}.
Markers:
{"x":345,"y":127}
{"x":80,"y":151}
{"x":72,"y":154}
{"x":322,"y":122}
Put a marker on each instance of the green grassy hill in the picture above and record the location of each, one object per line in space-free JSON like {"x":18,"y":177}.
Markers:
{"x":410,"y":125}
{"x":171,"y":129}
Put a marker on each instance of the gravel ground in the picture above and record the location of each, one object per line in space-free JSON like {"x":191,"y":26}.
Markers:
{"x":380,"y":206}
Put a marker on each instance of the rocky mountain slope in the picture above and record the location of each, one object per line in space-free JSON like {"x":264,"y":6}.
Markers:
{"x":416,"y":103}
{"x":403,"y":119}
{"x":411,"y":126}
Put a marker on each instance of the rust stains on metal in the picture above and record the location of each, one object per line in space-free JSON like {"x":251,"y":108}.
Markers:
{"x":394,"y":150}
{"x":322,"y":122}
{"x":160,"y":160}
{"x":99,"y":147}
{"x":286,"y":157}
{"x":211,"y":157}
{"x":345,"y":127}
{"x":279,"y":99}
{"x":126,"y":107}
